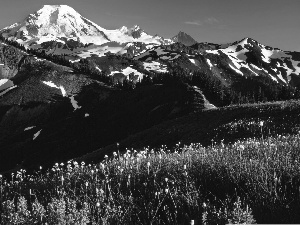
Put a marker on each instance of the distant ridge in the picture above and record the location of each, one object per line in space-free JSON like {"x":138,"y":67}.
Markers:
{"x":184,"y":38}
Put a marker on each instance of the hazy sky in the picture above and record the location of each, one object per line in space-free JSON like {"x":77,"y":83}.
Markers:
{"x":271,"y":22}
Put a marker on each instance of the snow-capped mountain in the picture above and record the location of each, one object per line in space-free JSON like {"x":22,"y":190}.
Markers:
{"x":184,"y":38}
{"x":61,"y":23}
{"x":250,"y":58}
{"x":246,"y":58}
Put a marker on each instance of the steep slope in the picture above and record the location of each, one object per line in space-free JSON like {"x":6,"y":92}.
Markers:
{"x":50,"y":113}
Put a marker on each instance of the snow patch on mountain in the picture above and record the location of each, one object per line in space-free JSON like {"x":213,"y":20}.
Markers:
{"x":36,"y":134}
{"x":236,"y":70}
{"x":209,"y":63}
{"x":97,"y":68}
{"x":7,"y":90}
{"x":61,"y":88}
{"x":127,"y":71}
{"x":215,"y":52}
{"x":5,"y":83}
{"x":29,"y":128}
{"x":266,"y":55}
{"x":192,"y":61}
{"x":74,"y":103}
{"x":281,"y":78}
{"x":155,"y":66}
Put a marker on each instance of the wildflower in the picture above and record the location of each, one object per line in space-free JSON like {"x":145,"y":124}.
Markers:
{"x":56,"y":164}
{"x":166,"y":190}
{"x":106,"y":156}
{"x":41,"y":167}
{"x":98,"y":204}
{"x":166,"y":179}
{"x":75,"y":163}
{"x":261,"y":123}
{"x":102,"y":166}
{"x":62,"y":164}
{"x":184,"y":167}
{"x":92,"y":171}
{"x":82,"y":163}
{"x":115,"y":154}
{"x":86,"y":184}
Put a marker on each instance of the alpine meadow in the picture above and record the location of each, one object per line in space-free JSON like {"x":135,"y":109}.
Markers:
{"x":106,"y":125}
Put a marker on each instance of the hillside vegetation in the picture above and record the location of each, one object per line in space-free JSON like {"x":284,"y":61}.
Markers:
{"x":252,"y":180}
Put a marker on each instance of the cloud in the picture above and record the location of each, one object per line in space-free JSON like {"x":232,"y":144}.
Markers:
{"x":209,"y":20}
{"x":197,"y":23}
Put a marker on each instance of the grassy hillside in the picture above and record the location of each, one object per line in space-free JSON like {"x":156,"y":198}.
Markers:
{"x":254,"y":180}
{"x":112,"y":115}
{"x":227,"y":124}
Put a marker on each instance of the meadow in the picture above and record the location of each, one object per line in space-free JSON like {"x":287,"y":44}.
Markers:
{"x":253,"y":180}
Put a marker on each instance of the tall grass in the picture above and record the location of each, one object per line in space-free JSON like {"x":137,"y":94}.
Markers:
{"x":253,"y":180}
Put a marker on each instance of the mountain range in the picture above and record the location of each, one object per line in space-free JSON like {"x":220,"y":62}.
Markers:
{"x":69,"y":87}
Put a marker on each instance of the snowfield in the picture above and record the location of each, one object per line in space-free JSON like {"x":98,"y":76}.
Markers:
{"x":128,"y":70}
{"x":36,"y":134}
{"x":29,"y":128}
{"x":155,"y":66}
{"x":5,"y":83}
{"x":56,"y":22}
{"x":74,"y":103}
{"x":62,"y":89}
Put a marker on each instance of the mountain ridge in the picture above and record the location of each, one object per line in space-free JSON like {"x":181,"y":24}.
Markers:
{"x":55,"y":89}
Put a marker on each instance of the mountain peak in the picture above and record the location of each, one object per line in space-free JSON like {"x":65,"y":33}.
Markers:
{"x":54,"y":23}
{"x":63,"y":9}
{"x":61,"y":23}
{"x":136,"y":27}
{"x":184,"y":38}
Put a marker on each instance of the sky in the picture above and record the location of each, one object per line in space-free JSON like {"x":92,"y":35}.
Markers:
{"x":271,"y":22}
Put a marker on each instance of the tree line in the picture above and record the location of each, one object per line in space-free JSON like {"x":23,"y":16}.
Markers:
{"x":244,"y":90}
